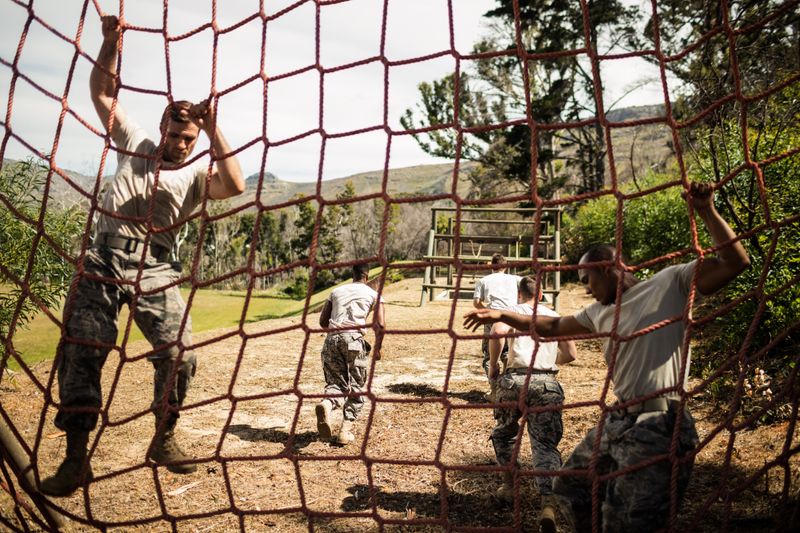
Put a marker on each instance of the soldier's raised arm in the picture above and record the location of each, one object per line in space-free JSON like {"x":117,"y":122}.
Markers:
{"x":103,"y":79}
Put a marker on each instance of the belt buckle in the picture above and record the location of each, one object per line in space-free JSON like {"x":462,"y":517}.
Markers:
{"x":131,"y":245}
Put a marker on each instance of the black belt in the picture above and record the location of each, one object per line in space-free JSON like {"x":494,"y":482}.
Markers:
{"x":131,"y":245}
{"x":524,"y":371}
{"x":653,"y":405}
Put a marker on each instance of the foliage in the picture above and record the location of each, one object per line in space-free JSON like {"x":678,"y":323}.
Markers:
{"x":364,"y":224}
{"x":711,"y":70}
{"x":558,"y":89}
{"x":662,"y":213}
{"x":657,"y":223}
{"x":264,"y":241}
{"x":764,"y":54}
{"x":298,"y":288}
{"x":27,"y":257}
{"x":780,"y":272}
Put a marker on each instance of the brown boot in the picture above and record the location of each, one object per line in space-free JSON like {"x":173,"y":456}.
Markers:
{"x":323,"y":412}
{"x":505,"y":492}
{"x":345,"y":435}
{"x":547,"y":518}
{"x":166,"y":451}
{"x":70,"y":474}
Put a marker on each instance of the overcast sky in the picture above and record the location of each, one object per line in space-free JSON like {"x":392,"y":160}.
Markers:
{"x":353,"y":98}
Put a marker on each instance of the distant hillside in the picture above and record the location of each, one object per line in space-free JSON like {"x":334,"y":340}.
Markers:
{"x":410,"y":181}
{"x":62,"y":194}
{"x":636,"y":149}
{"x":635,"y":112}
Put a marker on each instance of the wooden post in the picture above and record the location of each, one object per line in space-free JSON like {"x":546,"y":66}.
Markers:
{"x":427,"y":277}
{"x":450,"y":249}
{"x":557,"y":246}
{"x":433,"y":249}
{"x":16,"y":457}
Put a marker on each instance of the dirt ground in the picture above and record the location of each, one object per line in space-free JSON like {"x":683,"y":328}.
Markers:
{"x":422,"y":460}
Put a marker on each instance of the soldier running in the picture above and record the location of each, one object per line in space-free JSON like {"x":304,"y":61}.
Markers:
{"x":543,"y":397}
{"x":345,"y":354}
{"x":498,"y":290}
{"x":120,"y":269}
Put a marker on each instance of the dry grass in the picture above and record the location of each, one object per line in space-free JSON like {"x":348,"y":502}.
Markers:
{"x":423,"y":464}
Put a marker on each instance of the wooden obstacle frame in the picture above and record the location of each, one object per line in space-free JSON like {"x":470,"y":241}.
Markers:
{"x":456,"y":238}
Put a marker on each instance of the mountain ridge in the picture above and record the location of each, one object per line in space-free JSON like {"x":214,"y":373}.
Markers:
{"x":417,"y":180}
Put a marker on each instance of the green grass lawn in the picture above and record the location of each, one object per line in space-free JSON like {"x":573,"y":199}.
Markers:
{"x":211,"y":309}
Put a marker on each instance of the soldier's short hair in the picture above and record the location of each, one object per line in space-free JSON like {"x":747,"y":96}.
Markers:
{"x":600,"y":252}
{"x":527,"y":287}
{"x":498,"y":260}
{"x":360,"y":271}
{"x":177,"y":111}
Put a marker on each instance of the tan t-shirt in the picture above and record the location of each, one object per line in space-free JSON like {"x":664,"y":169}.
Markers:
{"x":179,"y":192}
{"x":650,"y":362}
{"x":350,"y":305}
{"x":520,"y":349}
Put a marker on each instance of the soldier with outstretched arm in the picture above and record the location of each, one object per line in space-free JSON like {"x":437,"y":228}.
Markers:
{"x":648,"y":373}
{"x":152,"y":192}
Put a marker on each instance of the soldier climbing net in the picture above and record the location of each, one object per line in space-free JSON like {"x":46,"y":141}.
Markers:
{"x":268,"y":477}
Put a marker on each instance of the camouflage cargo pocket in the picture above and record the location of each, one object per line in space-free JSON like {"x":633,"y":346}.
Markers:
{"x":355,"y":347}
{"x":362,"y":361}
{"x":554,"y":387}
{"x":505,"y":382}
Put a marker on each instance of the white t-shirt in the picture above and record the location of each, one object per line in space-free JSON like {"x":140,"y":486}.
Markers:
{"x":350,"y":305}
{"x":520,"y":349}
{"x":646,"y":363}
{"x":179,"y":191}
{"x":498,"y":290}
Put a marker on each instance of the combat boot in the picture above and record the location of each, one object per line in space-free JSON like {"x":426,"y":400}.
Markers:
{"x":68,"y":476}
{"x":345,"y":435}
{"x":166,"y":451}
{"x":547,"y":518}
{"x":505,"y":492}
{"x":323,"y":411}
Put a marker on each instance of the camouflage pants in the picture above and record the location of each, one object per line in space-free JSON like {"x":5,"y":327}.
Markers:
{"x":638,"y":500}
{"x":544,"y":426}
{"x":487,"y":330}
{"x":345,"y":358}
{"x":90,"y":321}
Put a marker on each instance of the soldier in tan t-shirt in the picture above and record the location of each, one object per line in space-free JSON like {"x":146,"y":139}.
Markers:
{"x":150,"y":198}
{"x":345,"y":354}
{"x":649,"y":372}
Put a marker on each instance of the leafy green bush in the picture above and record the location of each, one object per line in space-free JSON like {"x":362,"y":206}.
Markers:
{"x":298,"y":288}
{"x":653,"y":225}
{"x":21,"y":185}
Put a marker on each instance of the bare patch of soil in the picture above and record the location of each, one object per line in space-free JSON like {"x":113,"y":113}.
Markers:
{"x":422,"y":460}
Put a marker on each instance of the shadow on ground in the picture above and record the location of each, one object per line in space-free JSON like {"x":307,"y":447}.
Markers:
{"x":718,"y":499}
{"x":723,"y":498}
{"x":294,"y":442}
{"x":423,"y":390}
{"x":468,"y":500}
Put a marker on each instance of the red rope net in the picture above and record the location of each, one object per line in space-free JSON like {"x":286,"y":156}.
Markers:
{"x":271,"y":479}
